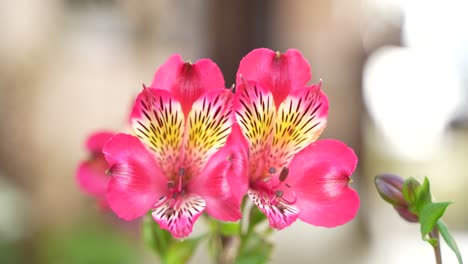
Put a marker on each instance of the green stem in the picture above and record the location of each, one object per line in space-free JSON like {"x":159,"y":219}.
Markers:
{"x":438,"y":255}
{"x":228,"y":249}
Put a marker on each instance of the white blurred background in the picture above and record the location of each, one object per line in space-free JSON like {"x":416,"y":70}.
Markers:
{"x":395,"y":72}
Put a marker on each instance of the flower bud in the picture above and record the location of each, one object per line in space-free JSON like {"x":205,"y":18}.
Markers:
{"x":406,"y":214}
{"x":390,"y":189}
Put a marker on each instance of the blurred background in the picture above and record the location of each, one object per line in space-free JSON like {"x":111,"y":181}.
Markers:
{"x":395,"y":72}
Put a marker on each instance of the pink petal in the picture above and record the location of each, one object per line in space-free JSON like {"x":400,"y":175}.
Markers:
{"x":279,"y":213}
{"x":158,"y":121}
{"x":280,"y":73}
{"x":319,"y":175}
{"x":208,"y":127}
{"x":96,"y":141}
{"x":178,"y":215}
{"x":255,"y":113}
{"x":224,"y":181}
{"x":137,"y":182}
{"x":301,"y":118}
{"x":187,"y":81}
{"x":91,"y":176}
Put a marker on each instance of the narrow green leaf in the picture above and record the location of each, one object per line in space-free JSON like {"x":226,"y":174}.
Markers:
{"x":423,"y":195}
{"x":429,"y":216}
{"x":443,"y":229}
{"x":181,"y":251}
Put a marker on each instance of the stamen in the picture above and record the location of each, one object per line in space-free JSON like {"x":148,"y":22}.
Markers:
{"x":292,"y":201}
{"x":170,"y":184}
{"x":233,"y":88}
{"x":279,"y":193}
{"x":266,"y":179}
{"x":181,"y":171}
{"x":283,"y":174}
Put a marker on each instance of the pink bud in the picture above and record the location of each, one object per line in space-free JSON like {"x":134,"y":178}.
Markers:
{"x":390,"y":188}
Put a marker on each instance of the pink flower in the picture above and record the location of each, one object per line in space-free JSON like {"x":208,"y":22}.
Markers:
{"x":291,"y":175}
{"x":91,"y":173}
{"x":187,"y":156}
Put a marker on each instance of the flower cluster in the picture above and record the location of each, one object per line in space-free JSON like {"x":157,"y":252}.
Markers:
{"x":199,"y":147}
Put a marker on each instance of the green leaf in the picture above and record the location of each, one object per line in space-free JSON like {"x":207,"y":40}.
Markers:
{"x":229,"y":228}
{"x":449,"y":240}
{"x":423,"y":195}
{"x":429,"y":216}
{"x":181,"y":251}
{"x":254,"y":250}
{"x":155,"y":237}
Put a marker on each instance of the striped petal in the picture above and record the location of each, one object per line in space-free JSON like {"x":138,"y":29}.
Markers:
{"x":208,"y":126}
{"x":255,"y":113}
{"x":279,"y":213}
{"x":158,"y":121}
{"x":300,"y":120}
{"x":187,"y":81}
{"x":224,"y":180}
{"x":179,"y":214}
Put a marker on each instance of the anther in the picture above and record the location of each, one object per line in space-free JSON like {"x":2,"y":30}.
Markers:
{"x":279,"y":193}
{"x":181,"y":171}
{"x":109,"y":171}
{"x":170,"y":184}
{"x":284,"y":174}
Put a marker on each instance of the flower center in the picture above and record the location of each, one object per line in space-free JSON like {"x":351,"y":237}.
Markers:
{"x":274,"y":186}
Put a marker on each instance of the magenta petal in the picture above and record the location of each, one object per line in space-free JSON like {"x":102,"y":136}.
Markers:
{"x":91,"y":176}
{"x":336,"y":212}
{"x":96,"y":141}
{"x":280,"y":73}
{"x":187,"y":81}
{"x":319,"y":176}
{"x":224,"y":180}
{"x":137,"y":182}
